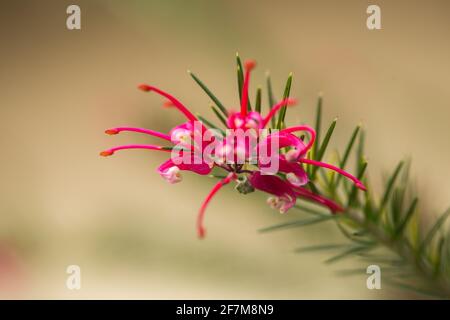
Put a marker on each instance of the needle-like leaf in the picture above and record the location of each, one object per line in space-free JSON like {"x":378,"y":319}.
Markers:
{"x":298,"y":223}
{"x":240,"y":75}
{"x":210,"y":124}
{"x":321,"y":247}
{"x":429,"y":237}
{"x":354,"y":190}
{"x":219,"y":116}
{"x":401,"y":227}
{"x":352,"y":250}
{"x":348,"y":149}
{"x":258,"y":101}
{"x":318,"y":125}
{"x":389,"y":186}
{"x":282,"y":113}
{"x":240,"y":80}
{"x":271,"y":98}
{"x":360,"y":150}
{"x":210,"y":94}
{"x":323,"y":146}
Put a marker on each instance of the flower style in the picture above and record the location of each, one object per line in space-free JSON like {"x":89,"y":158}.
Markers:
{"x":191,"y":139}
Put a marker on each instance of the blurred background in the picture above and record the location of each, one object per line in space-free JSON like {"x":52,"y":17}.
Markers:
{"x":133,"y":234}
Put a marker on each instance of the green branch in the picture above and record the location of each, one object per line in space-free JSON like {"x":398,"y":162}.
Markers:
{"x":389,"y":223}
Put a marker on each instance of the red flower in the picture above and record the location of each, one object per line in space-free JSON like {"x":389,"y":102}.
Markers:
{"x":191,"y":141}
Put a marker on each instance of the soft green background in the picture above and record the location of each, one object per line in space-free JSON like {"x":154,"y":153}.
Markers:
{"x":133,"y":234}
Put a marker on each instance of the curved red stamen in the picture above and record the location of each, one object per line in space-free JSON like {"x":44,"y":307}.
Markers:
{"x":175,"y":101}
{"x":358,"y":183}
{"x":111,"y":151}
{"x":249,"y":65}
{"x":200,"y":228}
{"x":308,"y":129}
{"x":276,"y":108}
{"x":140,"y":130}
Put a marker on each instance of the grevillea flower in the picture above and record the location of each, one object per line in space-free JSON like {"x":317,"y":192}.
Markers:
{"x":242,"y":161}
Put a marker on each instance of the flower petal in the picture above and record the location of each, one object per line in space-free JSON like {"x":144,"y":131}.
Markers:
{"x":284,"y":140}
{"x":294,"y":170}
{"x":275,"y":186}
{"x":196,"y":165}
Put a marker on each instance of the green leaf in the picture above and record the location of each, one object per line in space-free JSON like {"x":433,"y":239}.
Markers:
{"x":401,"y":227}
{"x":210,"y":94}
{"x":210,"y":125}
{"x":240,"y":75}
{"x":350,"y":235}
{"x":369,"y":207}
{"x":398,"y":198}
{"x":297,"y":223}
{"x":322,"y":247}
{"x":287,"y":91}
{"x":348,"y":149}
{"x":220,"y":116}
{"x":439,"y":254}
{"x":354,"y":190}
{"x":389,"y":186}
{"x":324,"y":146}
{"x":433,"y":231}
{"x":271,"y":98}
{"x":444,"y":256}
{"x":312,"y":187}
{"x":326,"y":140}
{"x":353,"y":250}
{"x":240,"y":80}
{"x":318,"y":125}
{"x":258,"y":101}
{"x":393,"y":210}
{"x":175,"y":148}
{"x":360,"y":151}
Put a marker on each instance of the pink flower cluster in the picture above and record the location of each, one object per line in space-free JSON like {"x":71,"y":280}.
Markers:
{"x":191,"y":139}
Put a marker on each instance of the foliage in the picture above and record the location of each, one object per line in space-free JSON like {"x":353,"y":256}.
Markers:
{"x":383,"y":230}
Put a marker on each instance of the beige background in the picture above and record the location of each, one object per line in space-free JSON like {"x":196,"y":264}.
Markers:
{"x":132,"y":233}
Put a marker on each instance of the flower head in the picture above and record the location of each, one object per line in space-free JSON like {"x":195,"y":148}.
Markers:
{"x":272,"y":163}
